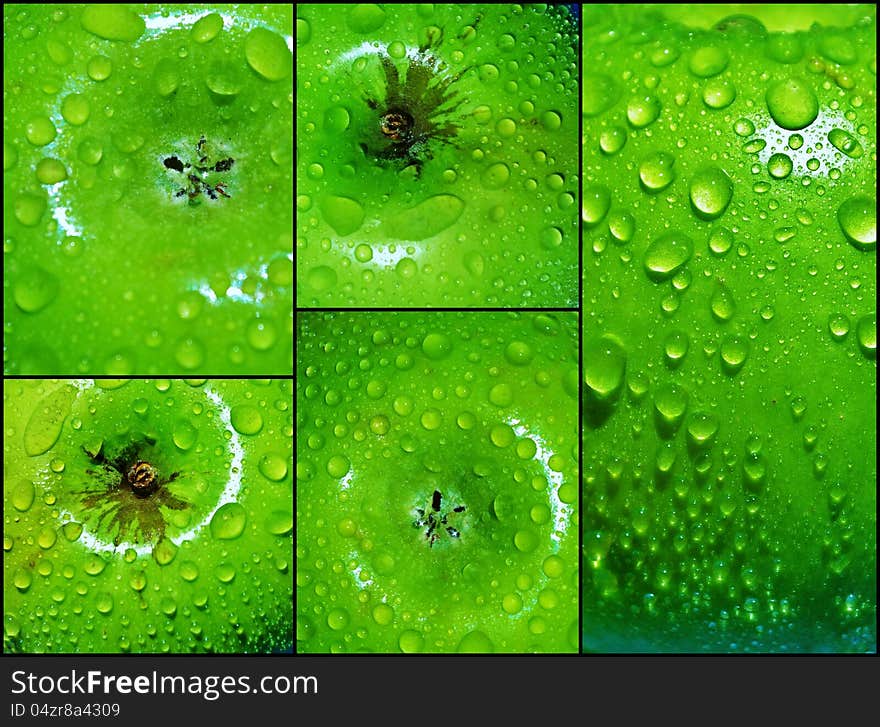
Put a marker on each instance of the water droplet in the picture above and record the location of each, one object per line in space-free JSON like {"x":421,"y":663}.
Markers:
{"x":866,"y":333}
{"x":112,"y":22}
{"x":670,"y":405}
{"x":262,"y":334}
{"x":667,"y":254}
{"x":99,"y":68}
{"x":321,"y":278}
{"x":721,"y":303}
{"x":40,"y":131}
{"x":519,"y":353}
{"x":676,"y":347}
{"x":501,"y":395}
{"x":273,"y":467}
{"x":719,"y":93}
{"x":338,"y":466}
{"x":710,"y":60}
{"x":552,"y":120}
{"x":656,"y":173}
{"x":268,"y":54}
{"x":612,"y":139}
{"x":846,"y":143}
{"x":166,"y":77}
{"x":664,"y":56}
{"x":553,"y":566}
{"x":206,"y":28}
{"x":734,"y":352}
{"x":838,"y":326}
{"x":303,"y":31}
{"x":475,"y":642}
{"x":720,"y":241}
{"x":604,"y":362}
{"x":436,"y":346}
{"x":858,"y":220}
{"x":711,"y":191}
{"x":622,"y":226}
{"x":34,"y":288}
{"x":702,"y":428}
{"x":22,"y":579}
{"x":75,"y":109}
{"x":595,"y":205}
{"x":411,"y":642}
{"x":792,"y":103}
{"x":743,"y":127}
{"x":426,"y":219}
{"x":23,"y":495}
{"x":50,"y":171}
{"x":185,"y":435}
{"x":164,"y":552}
{"x":642,"y":111}
{"x":280,"y":522}
{"x":246,"y":419}
{"x":90,"y":150}
{"x":779,"y":165}
{"x":189,"y":353}
{"x":837,"y":47}
{"x":58,"y":52}
{"x":229,"y":521}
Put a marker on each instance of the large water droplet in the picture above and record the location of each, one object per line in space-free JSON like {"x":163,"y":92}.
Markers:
{"x":710,"y":60}
{"x":229,"y":521}
{"x":668,"y":254}
{"x":642,"y":110}
{"x":426,"y":219}
{"x":655,"y":171}
{"x":866,"y":333}
{"x":711,"y":191}
{"x":34,"y":289}
{"x":268,"y":54}
{"x":112,"y":22}
{"x":246,"y":419}
{"x":792,"y":103}
{"x":858,"y":220}
{"x":604,"y":362}
{"x":845,"y":142}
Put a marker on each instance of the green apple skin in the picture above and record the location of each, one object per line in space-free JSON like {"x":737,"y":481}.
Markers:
{"x":491,"y":218}
{"x":107,"y":271}
{"x":749,"y":524}
{"x":220,"y":580}
{"x":480,"y":408}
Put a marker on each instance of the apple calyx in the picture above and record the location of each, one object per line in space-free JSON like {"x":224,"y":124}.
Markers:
{"x":128,"y":494}
{"x":415,"y":111}
{"x":437,"y":520}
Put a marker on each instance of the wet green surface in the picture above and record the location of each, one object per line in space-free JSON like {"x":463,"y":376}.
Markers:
{"x":437,"y":483}
{"x":198,"y":561}
{"x":729,"y":329}
{"x":479,"y":208}
{"x":116,"y":263}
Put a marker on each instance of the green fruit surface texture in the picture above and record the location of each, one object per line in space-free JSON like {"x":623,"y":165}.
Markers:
{"x":437,"y":483}
{"x":116,"y":263}
{"x":729,"y":328}
{"x":483,"y":211}
{"x":203,"y":563}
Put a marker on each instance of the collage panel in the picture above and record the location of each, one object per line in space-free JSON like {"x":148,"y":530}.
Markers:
{"x":729,"y":328}
{"x":437,"y":482}
{"x":437,"y":157}
{"x":148,"y":189}
{"x":147,"y":516}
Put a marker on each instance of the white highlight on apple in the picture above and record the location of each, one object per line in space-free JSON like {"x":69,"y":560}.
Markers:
{"x":229,"y":494}
{"x":560,"y":511}
{"x":815,"y":142}
{"x":158,"y":22}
